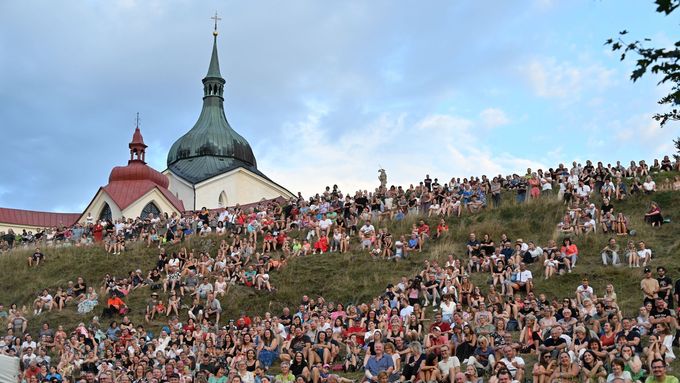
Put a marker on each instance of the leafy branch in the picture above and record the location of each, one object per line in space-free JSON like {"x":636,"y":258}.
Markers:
{"x":658,"y":61}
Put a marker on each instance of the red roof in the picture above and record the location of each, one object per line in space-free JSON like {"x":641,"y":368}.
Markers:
{"x":124,"y":193}
{"x":137,"y":139}
{"x":138,"y":171}
{"x":39,"y":219}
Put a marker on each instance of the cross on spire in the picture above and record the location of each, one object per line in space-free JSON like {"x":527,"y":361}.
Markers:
{"x":137,"y":120}
{"x":216,"y":20}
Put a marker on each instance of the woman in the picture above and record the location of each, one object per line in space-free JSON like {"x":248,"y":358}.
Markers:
{"x":242,"y":371}
{"x":429,"y":370}
{"x":569,"y":252}
{"x":660,"y":346}
{"x":535,"y":184}
{"x":268,"y":349}
{"x":218,"y":377}
{"x":320,"y":352}
{"x":299,"y":366}
{"x":89,"y":303}
{"x":251,"y":360}
{"x":543,"y":369}
{"x":529,"y":337}
{"x":632,"y":255}
{"x":566,"y":370}
{"x":653,"y":216}
{"x":633,"y":364}
{"x":592,"y":369}
{"x":618,"y":372}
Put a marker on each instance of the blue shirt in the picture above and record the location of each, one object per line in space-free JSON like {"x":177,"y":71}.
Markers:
{"x":376,"y":366}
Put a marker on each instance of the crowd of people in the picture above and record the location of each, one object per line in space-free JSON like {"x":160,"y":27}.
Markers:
{"x":473,"y":333}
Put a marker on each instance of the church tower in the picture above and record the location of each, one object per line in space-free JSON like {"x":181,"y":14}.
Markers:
{"x":212,"y":165}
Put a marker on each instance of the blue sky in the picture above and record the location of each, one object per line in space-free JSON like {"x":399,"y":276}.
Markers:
{"x":326,"y":92}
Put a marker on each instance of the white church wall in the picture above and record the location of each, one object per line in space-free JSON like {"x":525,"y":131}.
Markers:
{"x":240,"y":186}
{"x":181,"y":189}
{"x":97,"y":204}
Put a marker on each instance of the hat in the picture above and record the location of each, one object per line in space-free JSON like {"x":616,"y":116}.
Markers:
{"x":326,"y":365}
{"x":647,"y":270}
{"x":437,"y":328}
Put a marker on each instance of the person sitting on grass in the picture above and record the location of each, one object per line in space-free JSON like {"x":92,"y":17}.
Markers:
{"x":36,"y":258}
{"x":654,"y":216}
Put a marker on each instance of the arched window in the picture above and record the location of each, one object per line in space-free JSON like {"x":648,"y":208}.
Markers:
{"x":105,"y":214}
{"x":222,"y":202}
{"x":150,"y":208}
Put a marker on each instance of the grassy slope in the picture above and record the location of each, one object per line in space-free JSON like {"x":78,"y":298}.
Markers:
{"x":354,"y":277}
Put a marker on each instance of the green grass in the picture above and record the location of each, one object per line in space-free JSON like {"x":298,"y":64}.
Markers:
{"x":354,"y":277}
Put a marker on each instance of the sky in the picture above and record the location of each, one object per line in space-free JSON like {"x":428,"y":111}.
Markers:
{"x":325,"y":92}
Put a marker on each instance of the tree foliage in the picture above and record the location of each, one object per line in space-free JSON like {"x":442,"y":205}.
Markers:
{"x":659,"y":61}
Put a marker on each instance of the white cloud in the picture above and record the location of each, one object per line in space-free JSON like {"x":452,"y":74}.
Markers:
{"x":494,"y":117}
{"x":442,"y":145}
{"x":549,"y":78}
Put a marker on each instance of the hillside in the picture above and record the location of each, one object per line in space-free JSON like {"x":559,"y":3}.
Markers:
{"x":354,"y":277}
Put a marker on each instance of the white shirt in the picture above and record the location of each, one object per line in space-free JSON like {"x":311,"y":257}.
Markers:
{"x":524,"y":276}
{"x":510,"y":366}
{"x":448,"y":364}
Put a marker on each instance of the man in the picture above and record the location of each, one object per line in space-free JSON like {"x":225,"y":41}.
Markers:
{"x":610,"y":253}
{"x":514,"y":363}
{"x":378,"y":363}
{"x":665,"y":286}
{"x":300,"y":341}
{"x":213,"y":308}
{"x":286,"y":376}
{"x":659,"y":373}
{"x":472,"y":245}
{"x":524,"y":280}
{"x":504,"y":376}
{"x":649,"y":286}
{"x":631,"y":335}
{"x":554,"y":344}
{"x":431,"y":292}
{"x":449,"y":365}
{"x":36,"y":258}
{"x":584,"y":291}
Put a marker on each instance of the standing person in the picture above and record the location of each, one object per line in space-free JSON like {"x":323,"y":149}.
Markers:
{"x":665,"y":286}
{"x":496,"y":192}
{"x":649,"y":286}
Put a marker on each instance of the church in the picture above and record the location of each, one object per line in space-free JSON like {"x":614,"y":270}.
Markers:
{"x":210,"y":166}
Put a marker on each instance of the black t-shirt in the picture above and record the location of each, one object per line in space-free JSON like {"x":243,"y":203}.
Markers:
{"x":552,"y":342}
{"x":298,"y":343}
{"x":607,"y":208}
{"x":658,"y":314}
{"x":663,"y":282}
{"x":632,"y":334}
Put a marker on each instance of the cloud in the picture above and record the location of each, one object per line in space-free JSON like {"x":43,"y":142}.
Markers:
{"x":494,"y":117}
{"x":550,"y":78}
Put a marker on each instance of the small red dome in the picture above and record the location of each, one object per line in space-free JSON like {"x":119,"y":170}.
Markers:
{"x":138,"y":171}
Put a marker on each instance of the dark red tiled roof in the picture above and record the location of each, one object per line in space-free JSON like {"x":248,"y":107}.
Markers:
{"x":39,"y":219}
{"x":138,"y":171}
{"x":124,"y":193}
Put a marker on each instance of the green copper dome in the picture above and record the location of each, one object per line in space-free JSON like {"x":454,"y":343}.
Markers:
{"x":211,"y":147}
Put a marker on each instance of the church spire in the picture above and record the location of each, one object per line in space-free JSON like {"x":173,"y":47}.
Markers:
{"x":213,"y":83}
{"x":214,"y":68}
{"x":137,"y":145}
